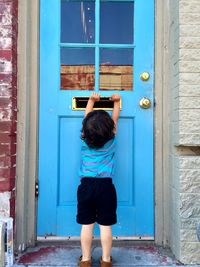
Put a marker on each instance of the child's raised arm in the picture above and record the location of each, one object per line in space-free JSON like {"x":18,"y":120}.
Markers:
{"x":90,"y":104}
{"x":116,"y":109}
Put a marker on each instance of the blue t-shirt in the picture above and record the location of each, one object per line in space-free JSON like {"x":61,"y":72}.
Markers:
{"x":98,"y":162}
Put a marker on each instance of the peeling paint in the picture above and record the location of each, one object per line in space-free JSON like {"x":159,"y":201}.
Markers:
{"x":5,"y":43}
{"x":6,"y":114}
{"x":5,"y":66}
{"x":5,"y":204}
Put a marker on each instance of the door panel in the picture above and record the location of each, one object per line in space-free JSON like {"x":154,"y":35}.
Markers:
{"x":72,"y":66}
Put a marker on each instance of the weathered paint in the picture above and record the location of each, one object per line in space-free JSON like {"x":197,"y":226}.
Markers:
{"x":5,"y":204}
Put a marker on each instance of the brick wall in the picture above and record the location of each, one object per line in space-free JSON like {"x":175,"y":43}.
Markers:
{"x":8,"y":105}
{"x":185,"y":129}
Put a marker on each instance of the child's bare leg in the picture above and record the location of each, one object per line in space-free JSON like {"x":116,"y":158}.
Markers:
{"x":106,"y":241}
{"x":86,"y":241}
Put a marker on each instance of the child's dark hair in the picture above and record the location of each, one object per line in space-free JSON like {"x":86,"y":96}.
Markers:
{"x":98,"y":128}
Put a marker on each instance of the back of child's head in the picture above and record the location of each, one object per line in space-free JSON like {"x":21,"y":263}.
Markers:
{"x":98,"y":128}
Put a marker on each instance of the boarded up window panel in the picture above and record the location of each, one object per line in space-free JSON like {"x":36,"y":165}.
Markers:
{"x":81,"y":77}
{"x":116,"y":77}
{"x":77,"y":77}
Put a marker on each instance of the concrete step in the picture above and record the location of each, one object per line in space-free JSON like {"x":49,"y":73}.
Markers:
{"x":124,"y":255}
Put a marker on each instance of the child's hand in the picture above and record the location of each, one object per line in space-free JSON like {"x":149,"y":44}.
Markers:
{"x":116,"y":109}
{"x":90,"y":104}
{"x":115,"y":97}
{"x":95,"y":97}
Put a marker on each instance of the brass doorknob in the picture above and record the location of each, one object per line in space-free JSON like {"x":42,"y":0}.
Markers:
{"x":145,"y":103}
{"x":145,"y":76}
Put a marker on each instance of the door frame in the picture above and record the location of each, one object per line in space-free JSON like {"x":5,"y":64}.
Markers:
{"x":27,"y":126}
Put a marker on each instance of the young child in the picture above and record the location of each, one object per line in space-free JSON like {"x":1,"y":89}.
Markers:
{"x":97,"y":200}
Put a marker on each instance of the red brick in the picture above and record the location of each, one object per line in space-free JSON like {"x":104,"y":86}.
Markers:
{"x":12,"y":183}
{"x":7,"y":161}
{"x":5,"y":173}
{"x":7,"y":137}
{"x":5,"y":126}
{"x":6,"y":78}
{"x":4,"y":186}
{"x":14,"y":115}
{"x":13,"y":149}
{"x":4,"y":162}
{"x":8,"y":149}
{"x":8,"y":89}
{"x":4,"y":138}
{"x":14,"y":81}
{"x":4,"y":149}
{"x":5,"y":102}
{"x":8,"y":105}
{"x":8,"y":173}
{"x":12,"y":206}
{"x":14,"y":123}
{"x":6,"y":54}
{"x":15,"y":10}
{"x":13,"y":100}
{"x":7,"y":185}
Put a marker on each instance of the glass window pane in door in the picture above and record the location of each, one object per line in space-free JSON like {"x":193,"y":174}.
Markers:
{"x":116,"y":69}
{"x":77,"y":21}
{"x":116,"y":22}
{"x":77,"y":70}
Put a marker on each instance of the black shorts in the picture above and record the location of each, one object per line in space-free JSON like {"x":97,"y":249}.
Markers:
{"x":97,"y":201}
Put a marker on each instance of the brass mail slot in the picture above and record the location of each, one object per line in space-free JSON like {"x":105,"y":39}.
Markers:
{"x":80,"y":102}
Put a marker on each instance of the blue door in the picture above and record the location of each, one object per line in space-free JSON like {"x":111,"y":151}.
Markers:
{"x":104,"y":46}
